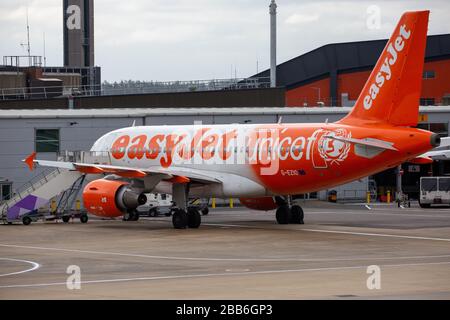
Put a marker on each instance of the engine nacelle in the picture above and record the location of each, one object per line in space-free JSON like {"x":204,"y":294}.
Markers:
{"x":111,"y":198}
{"x":263,"y":203}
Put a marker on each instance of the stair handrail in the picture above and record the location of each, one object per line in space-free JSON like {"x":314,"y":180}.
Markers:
{"x":27,"y":188}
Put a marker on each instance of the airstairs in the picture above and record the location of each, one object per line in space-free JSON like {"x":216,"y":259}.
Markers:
{"x":68,"y":198}
{"x":26,"y":200}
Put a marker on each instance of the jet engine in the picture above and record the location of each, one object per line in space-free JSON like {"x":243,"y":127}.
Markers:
{"x":263,"y":203}
{"x":111,"y":198}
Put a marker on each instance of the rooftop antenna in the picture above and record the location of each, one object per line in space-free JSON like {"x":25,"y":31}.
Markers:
{"x":27,"y":45}
{"x":45,"y":57}
{"x":28,"y":41}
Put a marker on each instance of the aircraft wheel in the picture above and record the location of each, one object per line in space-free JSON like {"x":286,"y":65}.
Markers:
{"x":126,"y":216}
{"x":153,"y":212}
{"x":297,"y":215}
{"x":180,"y":219}
{"x":65,"y":219}
{"x":424,"y":205}
{"x":26,"y":220}
{"x":84,"y":218}
{"x":130,"y":215}
{"x":205,"y":211}
{"x":283,"y":214}
{"x":135,"y":216}
{"x":194,"y":218}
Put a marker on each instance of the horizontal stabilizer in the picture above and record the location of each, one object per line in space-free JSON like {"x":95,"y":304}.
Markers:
{"x":445,"y":142}
{"x":421,"y":160}
{"x":437,"y":154}
{"x":368,"y":142}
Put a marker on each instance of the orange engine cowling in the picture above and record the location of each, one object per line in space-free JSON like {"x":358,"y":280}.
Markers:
{"x":111,"y":198}
{"x":263,"y":203}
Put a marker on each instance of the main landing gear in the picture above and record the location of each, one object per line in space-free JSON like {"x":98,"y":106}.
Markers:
{"x":287,"y":213}
{"x":131,"y":215}
{"x":184,"y":216}
{"x":182,"y":219}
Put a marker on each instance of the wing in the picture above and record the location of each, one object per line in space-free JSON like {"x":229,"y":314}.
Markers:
{"x":440,"y":153}
{"x":172,"y":174}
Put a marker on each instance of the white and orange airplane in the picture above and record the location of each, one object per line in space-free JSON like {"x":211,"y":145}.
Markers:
{"x":265,"y":164}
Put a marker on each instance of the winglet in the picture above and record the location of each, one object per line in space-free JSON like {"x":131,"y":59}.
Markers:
{"x":30,"y":160}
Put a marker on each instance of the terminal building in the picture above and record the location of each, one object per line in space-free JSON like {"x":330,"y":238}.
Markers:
{"x":334,"y":75}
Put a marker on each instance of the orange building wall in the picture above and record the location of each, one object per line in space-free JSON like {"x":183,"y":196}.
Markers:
{"x":439,"y":86}
{"x":352,"y":83}
{"x":308,"y":94}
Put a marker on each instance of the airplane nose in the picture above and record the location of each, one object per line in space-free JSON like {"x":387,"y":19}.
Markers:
{"x":435,"y":140}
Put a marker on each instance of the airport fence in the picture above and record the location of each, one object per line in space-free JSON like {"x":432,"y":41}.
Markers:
{"x":132,"y":87}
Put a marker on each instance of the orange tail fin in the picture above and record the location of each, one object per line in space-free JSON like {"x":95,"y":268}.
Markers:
{"x":392,"y":92}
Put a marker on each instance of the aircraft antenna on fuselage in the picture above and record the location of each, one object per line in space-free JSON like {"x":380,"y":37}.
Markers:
{"x":280,"y":119}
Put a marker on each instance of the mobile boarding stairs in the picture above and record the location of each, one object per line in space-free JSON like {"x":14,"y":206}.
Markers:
{"x":25,"y":203}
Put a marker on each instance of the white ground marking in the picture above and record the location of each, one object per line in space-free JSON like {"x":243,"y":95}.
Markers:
{"x":224,"y":259}
{"x":337,"y":231}
{"x":372,"y":212}
{"x":188,"y":276}
{"x":375,"y":212}
{"x":237,"y":270}
{"x":378,"y":235}
{"x":34,"y":267}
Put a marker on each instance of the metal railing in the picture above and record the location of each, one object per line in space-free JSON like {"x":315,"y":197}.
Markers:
{"x":123,"y":88}
{"x":354,"y":195}
{"x":27,"y":188}
{"x":339,"y":102}
{"x":94,"y":157}
{"x":17,"y":61}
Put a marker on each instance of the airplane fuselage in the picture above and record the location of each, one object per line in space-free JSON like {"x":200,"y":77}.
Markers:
{"x":266,"y":159}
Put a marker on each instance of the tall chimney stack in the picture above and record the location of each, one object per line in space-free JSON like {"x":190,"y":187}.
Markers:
{"x":78,"y":33}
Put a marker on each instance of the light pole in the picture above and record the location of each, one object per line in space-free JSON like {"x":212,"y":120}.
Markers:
{"x":273,"y":43}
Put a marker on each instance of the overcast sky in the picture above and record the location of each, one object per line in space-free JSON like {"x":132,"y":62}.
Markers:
{"x":204,"y":39}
